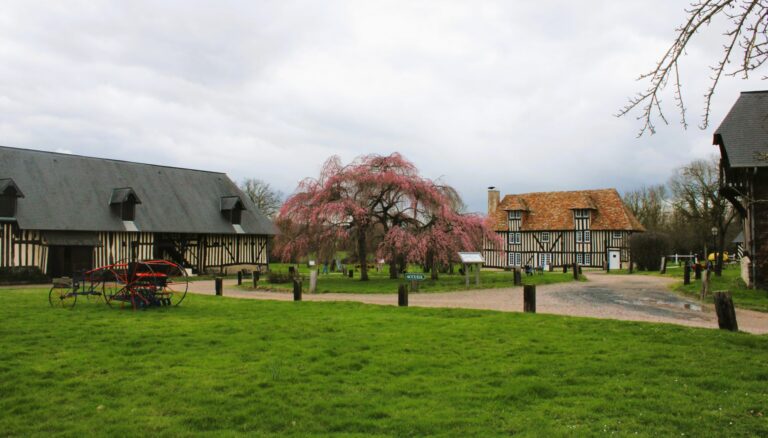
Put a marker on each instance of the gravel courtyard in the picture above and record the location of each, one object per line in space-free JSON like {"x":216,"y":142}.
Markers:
{"x":626,"y":297}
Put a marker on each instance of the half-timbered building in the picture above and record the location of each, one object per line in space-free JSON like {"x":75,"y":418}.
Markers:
{"x":743,"y":141}
{"x":63,"y":213}
{"x":547,"y":229}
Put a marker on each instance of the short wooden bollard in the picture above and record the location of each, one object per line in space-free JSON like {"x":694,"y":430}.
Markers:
{"x":697,"y":271}
{"x":296,"y":289}
{"x":565,"y":269}
{"x":529,"y":298}
{"x":402,"y":295}
{"x":517,"y":277}
{"x":255,"y":276}
{"x":239,"y":278}
{"x":313,"y":281}
{"x":687,"y":274}
{"x":726,"y":314}
{"x":705,"y":284}
{"x":351,"y":273}
{"x":575,"y":271}
{"x":219,"y":285}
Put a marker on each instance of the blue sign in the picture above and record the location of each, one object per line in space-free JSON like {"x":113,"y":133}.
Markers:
{"x":413,"y":276}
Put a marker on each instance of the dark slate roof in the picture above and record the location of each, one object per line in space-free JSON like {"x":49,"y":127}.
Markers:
{"x":5,"y":183}
{"x":231,"y":202}
{"x":121,"y":195}
{"x":739,"y":238}
{"x":70,"y":192}
{"x":743,"y":134}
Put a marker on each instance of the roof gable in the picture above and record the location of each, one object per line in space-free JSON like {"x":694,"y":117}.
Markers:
{"x":554,"y":210}
{"x":69,"y":192}
{"x":743,"y":134}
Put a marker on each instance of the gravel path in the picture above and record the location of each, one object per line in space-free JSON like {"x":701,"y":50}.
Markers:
{"x":625,"y":297}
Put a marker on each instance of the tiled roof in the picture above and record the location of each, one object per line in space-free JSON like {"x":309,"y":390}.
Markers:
{"x":554,"y":210}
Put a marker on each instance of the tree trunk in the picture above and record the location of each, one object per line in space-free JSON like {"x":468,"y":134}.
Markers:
{"x":362,"y":254}
{"x":434,"y":268}
{"x":393,"y":268}
{"x":719,"y":254}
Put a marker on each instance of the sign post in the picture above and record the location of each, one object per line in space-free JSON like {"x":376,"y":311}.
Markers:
{"x":469,"y":259}
{"x":414,"y":278}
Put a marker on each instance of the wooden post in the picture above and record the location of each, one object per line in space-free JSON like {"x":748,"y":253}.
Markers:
{"x":296,"y":289}
{"x":402,"y":295}
{"x":663,"y":269}
{"x":239,"y":278}
{"x":255,"y":275}
{"x":631,"y":269}
{"x":313,"y":281}
{"x":219,"y":285}
{"x":565,"y":269}
{"x":517,"y":277}
{"x":351,"y":273}
{"x":466,"y":276}
{"x":726,"y":314}
{"x":529,"y":298}
{"x":697,"y":271}
{"x":705,"y":284}
{"x":575,"y":271}
{"x":687,"y":273}
{"x":477,"y":274}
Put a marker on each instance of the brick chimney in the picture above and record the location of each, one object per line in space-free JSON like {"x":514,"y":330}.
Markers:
{"x":493,"y":200}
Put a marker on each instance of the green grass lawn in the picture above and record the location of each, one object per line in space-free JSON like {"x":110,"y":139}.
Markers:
{"x":221,"y":366}
{"x":743,"y":297}
{"x":379,"y":282}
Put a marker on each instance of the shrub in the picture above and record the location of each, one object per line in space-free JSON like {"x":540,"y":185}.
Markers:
{"x":22,"y":274}
{"x":279,"y":277}
{"x":647,"y":250}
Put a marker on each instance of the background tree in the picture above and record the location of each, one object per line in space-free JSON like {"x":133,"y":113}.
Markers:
{"x":647,"y":249}
{"x":745,"y":48}
{"x":698,"y":202}
{"x":266,"y":198}
{"x":650,"y":206}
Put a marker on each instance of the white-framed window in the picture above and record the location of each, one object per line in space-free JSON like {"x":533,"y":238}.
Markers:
{"x":587,"y":236}
{"x":579,"y":236}
{"x":617,"y":234}
{"x":545,"y":237}
{"x":514,"y":259}
{"x":515,"y":214}
{"x":545,"y":259}
{"x":580,"y":258}
{"x":587,"y":259}
{"x":511,"y":238}
{"x":581,"y":214}
{"x":514,"y":238}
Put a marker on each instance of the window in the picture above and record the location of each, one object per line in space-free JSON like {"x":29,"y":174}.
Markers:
{"x":514,"y":259}
{"x":581,"y":214}
{"x":579,"y":236}
{"x":617,"y":234}
{"x":515,"y":215}
{"x":545,"y":259}
{"x":7,"y":206}
{"x":545,"y":237}
{"x":587,"y":259}
{"x":514,"y":238}
{"x":128,"y":209}
{"x":580,"y":258}
{"x":587,"y":236}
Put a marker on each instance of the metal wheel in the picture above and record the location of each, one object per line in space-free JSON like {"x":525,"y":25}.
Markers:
{"x":63,"y":297}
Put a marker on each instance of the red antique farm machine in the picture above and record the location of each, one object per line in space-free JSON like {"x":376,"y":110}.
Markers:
{"x":138,"y":284}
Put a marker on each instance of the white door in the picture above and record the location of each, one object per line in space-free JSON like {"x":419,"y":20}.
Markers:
{"x":614,"y":259}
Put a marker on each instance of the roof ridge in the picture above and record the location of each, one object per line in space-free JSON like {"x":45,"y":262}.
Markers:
{"x":585,"y":191}
{"x":64,"y":154}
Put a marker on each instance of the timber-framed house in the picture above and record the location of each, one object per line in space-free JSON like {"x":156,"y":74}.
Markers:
{"x":547,"y":229}
{"x":743,"y":141}
{"x":63,"y":213}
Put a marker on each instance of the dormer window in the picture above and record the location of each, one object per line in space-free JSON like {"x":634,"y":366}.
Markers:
{"x":9,"y":194}
{"x":232,"y":208}
{"x":581,"y":213}
{"x":515,"y":215}
{"x":123,"y":202}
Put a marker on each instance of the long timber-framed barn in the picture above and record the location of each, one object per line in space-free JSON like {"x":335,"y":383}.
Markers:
{"x":588,"y":227}
{"x":62,"y":213}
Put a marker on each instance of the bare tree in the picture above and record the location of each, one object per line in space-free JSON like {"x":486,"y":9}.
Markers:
{"x":697,"y":201}
{"x":649,"y":205}
{"x":266,"y":198}
{"x":746,"y":43}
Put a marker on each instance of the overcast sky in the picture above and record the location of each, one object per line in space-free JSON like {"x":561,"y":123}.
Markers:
{"x":519,"y":95}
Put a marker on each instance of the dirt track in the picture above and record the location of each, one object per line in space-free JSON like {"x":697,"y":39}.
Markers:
{"x":633,"y":298}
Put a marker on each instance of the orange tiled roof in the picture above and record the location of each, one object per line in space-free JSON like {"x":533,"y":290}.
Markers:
{"x":544,"y":211}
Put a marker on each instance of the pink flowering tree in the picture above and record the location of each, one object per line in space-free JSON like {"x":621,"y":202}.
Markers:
{"x":383,"y":198}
